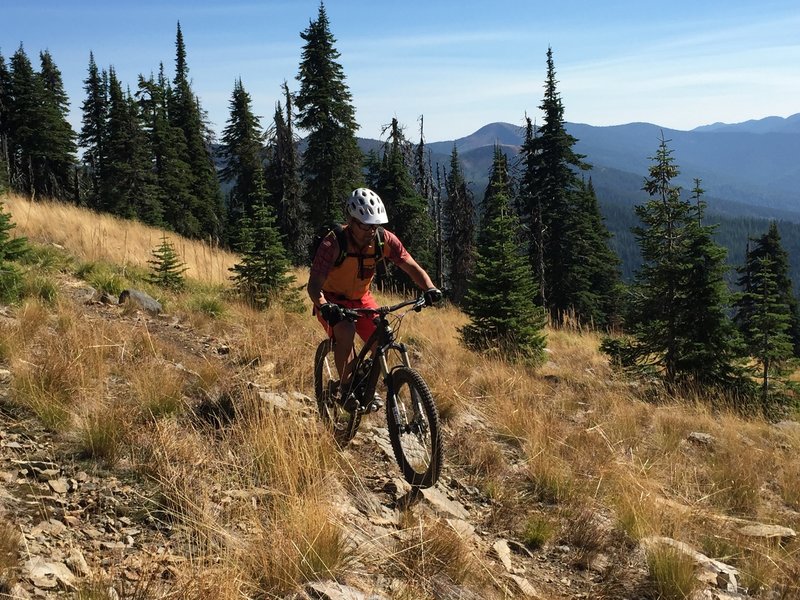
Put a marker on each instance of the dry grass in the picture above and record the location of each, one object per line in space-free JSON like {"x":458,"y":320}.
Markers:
{"x":430,"y":550}
{"x":568,"y":451}
{"x":672,"y":573}
{"x":10,"y":561}
{"x":110,"y":239}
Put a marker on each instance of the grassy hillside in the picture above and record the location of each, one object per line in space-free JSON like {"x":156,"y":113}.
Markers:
{"x":586,"y":474}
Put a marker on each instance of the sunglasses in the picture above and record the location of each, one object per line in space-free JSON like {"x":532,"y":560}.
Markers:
{"x":363,"y":227}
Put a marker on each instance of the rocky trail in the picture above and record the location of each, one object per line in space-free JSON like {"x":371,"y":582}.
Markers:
{"x":81,"y":524}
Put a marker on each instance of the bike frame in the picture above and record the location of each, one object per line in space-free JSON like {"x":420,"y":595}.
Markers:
{"x":378,"y":346}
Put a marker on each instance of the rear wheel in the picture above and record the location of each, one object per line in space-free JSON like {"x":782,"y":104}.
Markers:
{"x":342,"y":423}
{"x":414,"y":427}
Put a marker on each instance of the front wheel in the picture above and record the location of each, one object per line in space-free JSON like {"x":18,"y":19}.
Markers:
{"x":414,"y":427}
{"x":343,"y":424}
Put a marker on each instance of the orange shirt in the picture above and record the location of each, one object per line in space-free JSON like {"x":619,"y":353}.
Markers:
{"x":352,"y":279}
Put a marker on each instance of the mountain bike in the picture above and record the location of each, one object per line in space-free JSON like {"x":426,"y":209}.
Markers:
{"x":411,"y":414}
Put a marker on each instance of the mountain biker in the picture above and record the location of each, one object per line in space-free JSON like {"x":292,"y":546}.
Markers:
{"x":332,"y":288}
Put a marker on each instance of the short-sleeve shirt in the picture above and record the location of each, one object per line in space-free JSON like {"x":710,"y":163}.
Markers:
{"x":352,"y":278}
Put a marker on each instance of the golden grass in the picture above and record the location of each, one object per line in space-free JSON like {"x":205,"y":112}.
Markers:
{"x":571,"y":434}
{"x":100,"y":237}
{"x":10,"y":561}
{"x":672,"y":573}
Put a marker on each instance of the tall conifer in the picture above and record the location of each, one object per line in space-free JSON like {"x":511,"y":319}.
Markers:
{"x":283,"y":183}
{"x":459,"y":230}
{"x":681,"y":302}
{"x":94,"y":127}
{"x":242,"y":150}
{"x":204,"y":217}
{"x":499,"y":300}
{"x":59,"y":142}
{"x":332,"y":160}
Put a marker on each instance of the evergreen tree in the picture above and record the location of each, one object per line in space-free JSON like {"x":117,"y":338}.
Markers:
{"x":406,"y":209}
{"x":552,"y":185}
{"x":459,"y":230}
{"x":681,"y":300}
{"x":128,"y":182}
{"x":262,"y":275}
{"x":25,"y":125}
{"x":94,"y":126}
{"x":242,"y":151}
{"x":11,"y":248}
{"x":166,"y":267}
{"x":59,"y":144}
{"x":499,"y":301}
{"x":332,"y":160}
{"x":283,"y":182}
{"x":5,"y":115}
{"x":767,"y":327}
{"x":499,"y":184}
{"x":530,"y":207}
{"x":768,"y":246}
{"x":205,"y":215}
{"x":594,"y":284}
{"x":173,"y":177}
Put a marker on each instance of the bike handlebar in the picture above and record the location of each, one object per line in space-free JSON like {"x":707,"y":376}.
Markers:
{"x":352,"y":314}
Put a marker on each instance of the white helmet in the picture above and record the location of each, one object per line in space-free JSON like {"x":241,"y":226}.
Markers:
{"x":367,"y":207}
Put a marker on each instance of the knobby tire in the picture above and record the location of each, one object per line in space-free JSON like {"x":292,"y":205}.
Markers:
{"x":418,"y":453}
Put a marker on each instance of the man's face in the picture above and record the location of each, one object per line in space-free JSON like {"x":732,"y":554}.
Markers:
{"x":362,"y":234}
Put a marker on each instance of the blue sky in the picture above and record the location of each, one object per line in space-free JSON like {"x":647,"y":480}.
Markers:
{"x":461,"y":64}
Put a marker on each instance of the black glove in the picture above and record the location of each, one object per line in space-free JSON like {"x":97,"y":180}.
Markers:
{"x":332,"y":313}
{"x":432,"y":296}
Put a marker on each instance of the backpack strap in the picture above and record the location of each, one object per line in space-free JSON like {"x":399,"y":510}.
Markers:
{"x":341,"y":239}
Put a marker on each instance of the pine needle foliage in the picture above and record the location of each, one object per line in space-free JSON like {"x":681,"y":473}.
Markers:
{"x":11,"y":248}
{"x":501,"y":293}
{"x":166,"y":267}
{"x":681,"y":301}
{"x":262,"y":277}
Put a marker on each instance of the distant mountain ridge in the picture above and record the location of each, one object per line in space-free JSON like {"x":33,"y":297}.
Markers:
{"x":753,"y":167}
{"x":749,"y":171}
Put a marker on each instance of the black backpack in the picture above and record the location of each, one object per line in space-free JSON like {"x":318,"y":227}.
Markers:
{"x":341,"y":239}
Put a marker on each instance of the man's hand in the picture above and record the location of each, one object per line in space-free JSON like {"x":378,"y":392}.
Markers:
{"x":432,"y":296}
{"x":332,"y":313}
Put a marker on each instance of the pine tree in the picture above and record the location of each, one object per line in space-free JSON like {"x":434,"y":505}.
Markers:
{"x":128,"y":183}
{"x":5,"y":115}
{"x":262,"y":276}
{"x":459,"y":230}
{"x":11,"y":248}
{"x":166,"y":267}
{"x":283,"y":183}
{"x":242,"y":150}
{"x":173,"y":177}
{"x":205,"y":215}
{"x":552,"y":184}
{"x":25,"y":125}
{"x":500,"y":298}
{"x":769,"y":246}
{"x":332,"y":160}
{"x":406,"y":209}
{"x":594,"y":284}
{"x":767,"y":327}
{"x":681,"y":301}
{"x":94,"y":127}
{"x":59,"y":143}
{"x":40,"y":141}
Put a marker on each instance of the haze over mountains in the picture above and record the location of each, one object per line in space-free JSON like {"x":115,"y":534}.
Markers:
{"x":749,"y":171}
{"x":747,"y":168}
